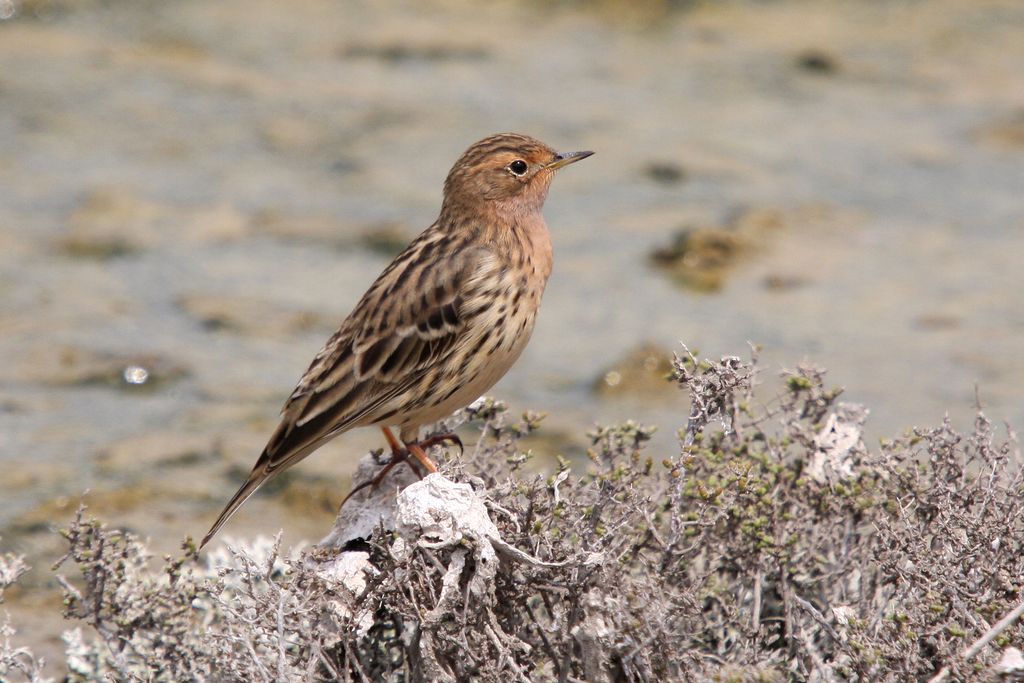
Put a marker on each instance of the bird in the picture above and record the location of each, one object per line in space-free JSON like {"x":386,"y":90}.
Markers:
{"x":440,"y":325}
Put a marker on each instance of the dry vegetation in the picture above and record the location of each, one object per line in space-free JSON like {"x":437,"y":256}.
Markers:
{"x":774,"y":547}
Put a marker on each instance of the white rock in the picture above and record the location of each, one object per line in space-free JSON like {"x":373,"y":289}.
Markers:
{"x":439,"y":512}
{"x":1011,"y":663}
{"x":371,"y":507}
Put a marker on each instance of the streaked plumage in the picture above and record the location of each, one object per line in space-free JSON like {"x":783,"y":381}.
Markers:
{"x":443,"y":322}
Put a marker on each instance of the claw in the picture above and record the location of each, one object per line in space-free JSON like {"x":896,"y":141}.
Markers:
{"x":396,"y":458}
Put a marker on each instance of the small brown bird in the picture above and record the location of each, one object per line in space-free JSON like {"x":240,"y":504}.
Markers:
{"x":441,"y":324}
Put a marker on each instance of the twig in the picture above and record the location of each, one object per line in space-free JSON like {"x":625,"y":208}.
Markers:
{"x":548,"y":647}
{"x":755,"y":619}
{"x":506,"y":654}
{"x":352,"y":646}
{"x":816,"y":615}
{"x":515,"y":553}
{"x":282,"y":661}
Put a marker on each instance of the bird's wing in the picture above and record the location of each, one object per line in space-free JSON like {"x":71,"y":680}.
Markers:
{"x":407,"y":322}
{"x":409,"y":319}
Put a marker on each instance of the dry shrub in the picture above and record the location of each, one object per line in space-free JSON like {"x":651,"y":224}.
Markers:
{"x":775,"y":546}
{"x":16,"y":663}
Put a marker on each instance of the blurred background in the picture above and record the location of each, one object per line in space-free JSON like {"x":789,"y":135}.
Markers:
{"x":194,"y":194}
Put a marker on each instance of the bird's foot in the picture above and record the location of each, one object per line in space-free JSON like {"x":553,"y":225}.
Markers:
{"x":418,"y":449}
{"x":400,"y":453}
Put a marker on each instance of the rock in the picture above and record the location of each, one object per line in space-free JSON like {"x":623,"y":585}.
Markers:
{"x":441,"y":513}
{"x":700,"y":257}
{"x":246,"y":315}
{"x":115,"y":221}
{"x":641,"y":372}
{"x":937,"y":322}
{"x":371,"y":507}
{"x":155,"y":450}
{"x":1011,"y":665}
{"x":817,"y":61}
{"x":405,"y":51}
{"x":386,"y":239}
{"x":113,"y":503}
{"x":777,"y":282}
{"x":109,"y":222}
{"x":758,"y":222}
{"x":304,"y":227}
{"x":664,"y":172}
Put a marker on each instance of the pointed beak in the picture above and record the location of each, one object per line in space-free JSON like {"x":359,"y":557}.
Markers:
{"x":567,"y":158}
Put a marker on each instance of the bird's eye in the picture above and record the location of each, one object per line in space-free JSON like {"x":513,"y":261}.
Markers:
{"x":517,"y":167}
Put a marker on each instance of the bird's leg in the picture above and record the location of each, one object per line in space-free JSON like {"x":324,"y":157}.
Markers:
{"x":416,"y":449}
{"x":400,"y":454}
{"x":397,"y":452}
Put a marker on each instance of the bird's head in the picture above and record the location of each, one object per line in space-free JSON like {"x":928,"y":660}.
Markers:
{"x":506,"y":169}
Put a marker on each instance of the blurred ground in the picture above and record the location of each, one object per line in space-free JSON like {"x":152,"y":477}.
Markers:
{"x":202,"y":190}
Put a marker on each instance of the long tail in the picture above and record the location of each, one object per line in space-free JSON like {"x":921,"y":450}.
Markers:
{"x":276,"y":458}
{"x":255,"y":480}
{"x":289,"y":444}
